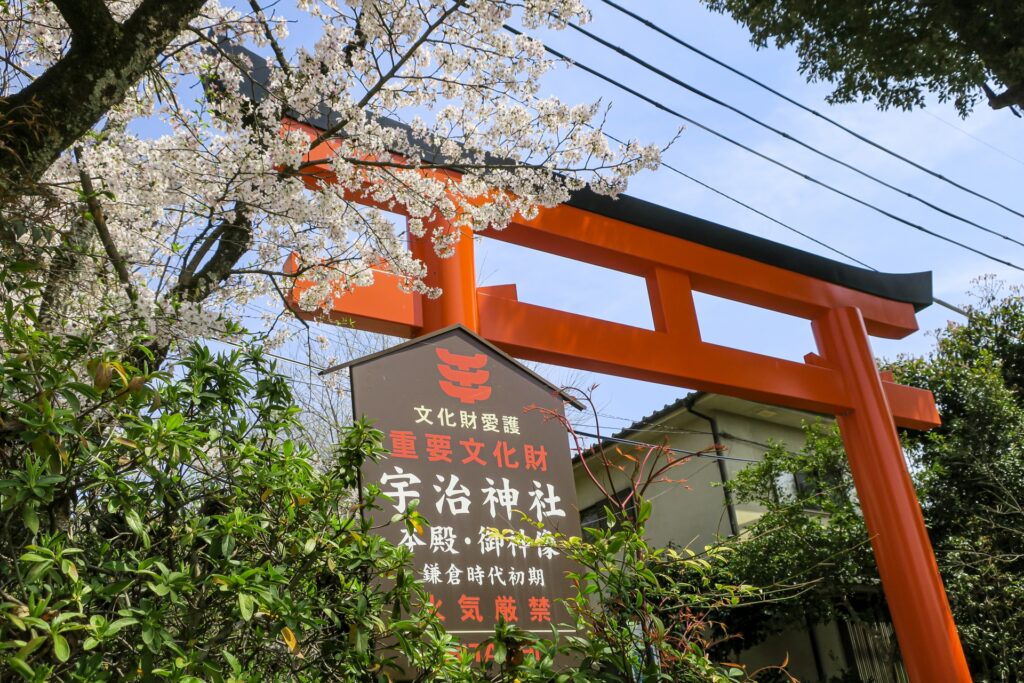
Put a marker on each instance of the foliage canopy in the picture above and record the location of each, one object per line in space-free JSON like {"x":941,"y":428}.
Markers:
{"x":896,"y":53}
{"x":143,"y":157}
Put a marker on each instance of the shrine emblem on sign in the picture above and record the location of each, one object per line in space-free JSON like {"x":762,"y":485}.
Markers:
{"x":471,"y":436}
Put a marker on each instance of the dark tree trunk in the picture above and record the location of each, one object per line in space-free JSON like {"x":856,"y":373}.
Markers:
{"x":105,"y":60}
{"x":230,"y":242}
{"x":65,"y":266}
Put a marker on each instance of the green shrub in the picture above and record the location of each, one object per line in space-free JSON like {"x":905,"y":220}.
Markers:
{"x":171,"y":526}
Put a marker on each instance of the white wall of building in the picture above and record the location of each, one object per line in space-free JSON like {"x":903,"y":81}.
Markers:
{"x":690,"y":510}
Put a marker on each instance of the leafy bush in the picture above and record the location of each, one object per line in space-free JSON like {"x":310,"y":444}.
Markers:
{"x":171,"y":526}
{"x":640,"y":614}
{"x":168,"y":527}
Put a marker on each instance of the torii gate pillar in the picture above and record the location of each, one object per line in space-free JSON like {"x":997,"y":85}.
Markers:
{"x":906,"y":563}
{"x":455,"y":276}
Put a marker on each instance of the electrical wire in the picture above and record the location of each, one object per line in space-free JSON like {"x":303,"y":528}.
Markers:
{"x":659,"y":428}
{"x":781,"y":133}
{"x":721,"y":193}
{"x":962,"y":131}
{"x":834,"y":250}
{"x":679,"y":41}
{"x":270,"y":355}
{"x":683,"y":117}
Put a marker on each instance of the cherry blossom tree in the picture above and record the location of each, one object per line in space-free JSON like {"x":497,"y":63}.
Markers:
{"x":146,"y":166}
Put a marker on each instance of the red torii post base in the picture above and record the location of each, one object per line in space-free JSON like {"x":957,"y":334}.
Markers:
{"x":906,"y":563}
{"x":842,"y":381}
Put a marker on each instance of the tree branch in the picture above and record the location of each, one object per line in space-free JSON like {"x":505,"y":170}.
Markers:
{"x":1012,"y":97}
{"x":100,"y":221}
{"x":382,"y":81}
{"x":46,"y":117}
{"x":193,"y":263}
{"x":64,"y":268}
{"x":234,"y":240}
{"x":357,"y":43}
{"x":269,"y":33}
{"x":89,"y":20}
{"x":284,"y":300}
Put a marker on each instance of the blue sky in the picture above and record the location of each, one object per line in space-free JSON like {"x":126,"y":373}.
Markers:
{"x":983,"y":152}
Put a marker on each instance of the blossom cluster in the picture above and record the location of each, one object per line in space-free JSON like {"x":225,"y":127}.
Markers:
{"x":427,"y":109}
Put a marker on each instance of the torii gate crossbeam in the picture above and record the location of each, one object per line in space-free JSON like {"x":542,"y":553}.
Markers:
{"x":843,"y":304}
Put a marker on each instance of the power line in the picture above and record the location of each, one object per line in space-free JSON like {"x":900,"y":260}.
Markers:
{"x":271,"y":355}
{"x":963,"y":131}
{"x":767,"y":158}
{"x":661,"y":428}
{"x":834,"y":250}
{"x":664,"y":164}
{"x":725,"y":195}
{"x":781,"y":133}
{"x":721,"y":193}
{"x":810,"y":110}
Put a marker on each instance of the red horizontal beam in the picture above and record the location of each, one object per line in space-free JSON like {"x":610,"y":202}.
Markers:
{"x":551,"y":336}
{"x":382,"y":307}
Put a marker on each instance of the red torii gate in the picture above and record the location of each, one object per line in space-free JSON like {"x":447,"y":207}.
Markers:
{"x":676,"y":255}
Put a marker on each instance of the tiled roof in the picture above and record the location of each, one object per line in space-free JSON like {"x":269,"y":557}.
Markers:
{"x":664,"y":411}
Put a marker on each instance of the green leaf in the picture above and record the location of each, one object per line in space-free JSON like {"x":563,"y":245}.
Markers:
{"x":362,"y":640}
{"x":245,"y":605}
{"x":60,"y":648}
{"x":236,"y":666}
{"x":31,"y":646}
{"x":23,"y":266}
{"x":31,"y":518}
{"x":500,"y":652}
{"x":21,"y":667}
{"x":644,"y":513}
{"x":33,"y":557}
{"x":119,"y":624}
{"x":134,"y":522}
{"x":160,"y":589}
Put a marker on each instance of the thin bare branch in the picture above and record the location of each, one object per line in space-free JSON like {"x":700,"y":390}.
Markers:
{"x":99,"y":220}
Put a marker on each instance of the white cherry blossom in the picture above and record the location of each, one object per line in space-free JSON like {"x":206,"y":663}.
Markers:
{"x":205,"y":196}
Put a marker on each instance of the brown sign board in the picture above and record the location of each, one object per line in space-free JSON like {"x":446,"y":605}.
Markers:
{"x":471,"y":436}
